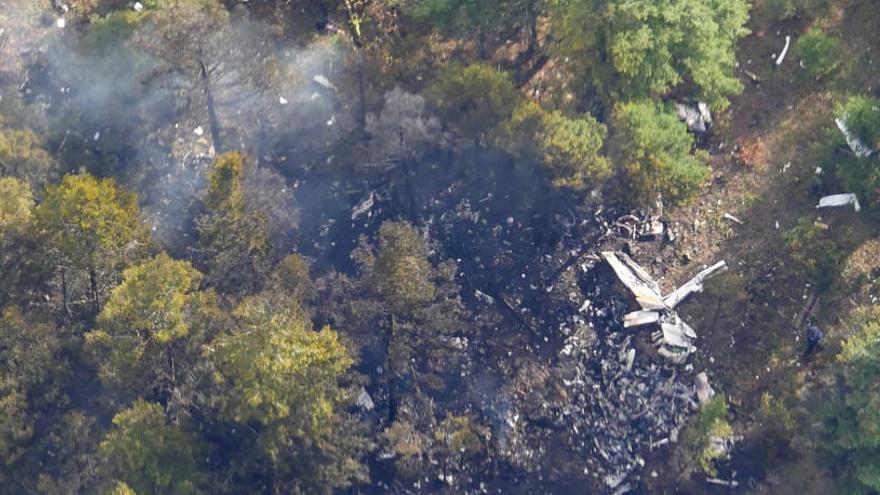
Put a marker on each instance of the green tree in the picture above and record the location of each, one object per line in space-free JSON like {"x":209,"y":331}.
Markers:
{"x":472,"y":100}
{"x":568,"y":150}
{"x":653,"y":151}
{"x":23,"y":155}
{"x":420,"y":305}
{"x":16,"y":221}
{"x":149,"y":455}
{"x":853,"y":425}
{"x":91,"y":231}
{"x":399,"y":273}
{"x":813,"y":253}
{"x":820,"y":54}
{"x":28,"y":362}
{"x":233,"y":240}
{"x":641,"y":48}
{"x":282,"y":379}
{"x":859,"y":174}
{"x":150,"y":331}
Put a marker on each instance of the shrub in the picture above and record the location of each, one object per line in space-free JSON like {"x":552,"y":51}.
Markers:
{"x":653,"y":150}
{"x":860,"y":175}
{"x":814,"y":255}
{"x":567,"y":150}
{"x":820,"y":54}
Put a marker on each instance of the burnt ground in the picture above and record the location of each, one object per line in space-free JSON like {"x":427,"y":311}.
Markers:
{"x":745,"y":320}
{"x":551,"y":382}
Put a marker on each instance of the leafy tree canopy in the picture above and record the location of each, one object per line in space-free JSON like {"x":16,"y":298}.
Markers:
{"x":640,"y":48}
{"x":854,"y":426}
{"x":279,"y":372}
{"x":861,"y":114}
{"x":653,"y":150}
{"x":148,"y":331}
{"x":568,"y":150}
{"x":472,"y":99}
{"x":148,"y":455}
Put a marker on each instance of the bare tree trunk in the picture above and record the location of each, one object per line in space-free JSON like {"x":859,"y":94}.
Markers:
{"x":93,"y":282}
{"x":212,"y":111}
{"x":64,"y":291}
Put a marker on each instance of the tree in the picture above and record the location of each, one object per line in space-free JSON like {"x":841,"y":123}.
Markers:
{"x":641,"y":48}
{"x":399,"y":272}
{"x":91,"y":231}
{"x":859,"y":174}
{"x":422,"y":310}
{"x":472,"y":100}
{"x":653,"y":151}
{"x":28,"y":352}
{"x":568,"y":150}
{"x":23,"y":156}
{"x":402,"y":130}
{"x":233,"y":240}
{"x":820,"y":54}
{"x":149,"y":455}
{"x":853,"y":424}
{"x":217,"y":63}
{"x":150,"y":332}
{"x":282,"y":378}
{"x":16,"y":221}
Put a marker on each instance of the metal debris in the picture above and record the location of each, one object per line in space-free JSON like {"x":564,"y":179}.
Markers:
{"x":363,"y":206}
{"x":324,"y":82}
{"x":697,"y":117}
{"x":835,"y":200}
{"x":364,"y":401}
{"x":855,"y":144}
{"x":732,"y":218}
{"x":675,"y":337}
{"x":781,"y":56}
{"x":703,"y":389}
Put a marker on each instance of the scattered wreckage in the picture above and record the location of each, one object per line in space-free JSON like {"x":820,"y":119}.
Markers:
{"x":697,"y":117}
{"x":675,"y":337}
{"x":836,"y":200}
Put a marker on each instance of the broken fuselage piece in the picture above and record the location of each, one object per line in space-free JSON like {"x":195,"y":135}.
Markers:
{"x":675,"y":337}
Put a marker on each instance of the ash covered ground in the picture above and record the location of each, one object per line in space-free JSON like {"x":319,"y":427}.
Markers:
{"x":572,"y":401}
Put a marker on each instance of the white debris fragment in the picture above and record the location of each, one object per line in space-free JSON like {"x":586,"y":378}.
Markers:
{"x":482,"y":296}
{"x":585,"y":306}
{"x":282,"y":100}
{"x":97,"y":136}
{"x":331,"y":121}
{"x":138,"y":7}
{"x":198,"y":131}
{"x":364,"y":400}
{"x":363,"y":206}
{"x":855,"y":144}
{"x":784,"y":51}
{"x":693,"y":285}
{"x":697,"y":117}
{"x":630,"y":359}
{"x":835,"y":200}
{"x":818,"y":170}
{"x":733,"y":219}
{"x":675,"y":338}
{"x":323,"y":81}
{"x":702,"y":387}
{"x":61,"y":23}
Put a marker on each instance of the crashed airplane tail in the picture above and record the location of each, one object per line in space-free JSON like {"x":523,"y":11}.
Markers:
{"x":675,"y":337}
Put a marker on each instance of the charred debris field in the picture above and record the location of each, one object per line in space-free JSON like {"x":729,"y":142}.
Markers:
{"x":439,"y":246}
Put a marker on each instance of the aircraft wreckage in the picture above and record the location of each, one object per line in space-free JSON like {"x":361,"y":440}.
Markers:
{"x":675,"y":337}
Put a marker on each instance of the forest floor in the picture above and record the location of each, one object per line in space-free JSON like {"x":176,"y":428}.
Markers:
{"x":764,"y":174}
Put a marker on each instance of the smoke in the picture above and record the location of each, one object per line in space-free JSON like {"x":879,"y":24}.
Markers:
{"x":116,"y":107}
